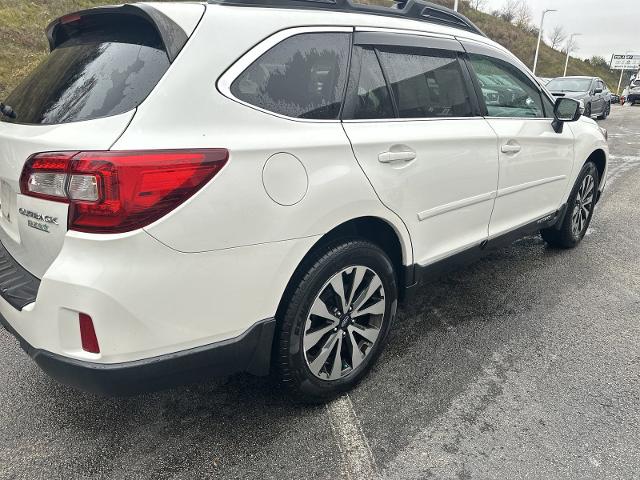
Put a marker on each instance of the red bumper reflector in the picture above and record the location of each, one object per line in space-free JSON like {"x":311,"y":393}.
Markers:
{"x":88,"y":334}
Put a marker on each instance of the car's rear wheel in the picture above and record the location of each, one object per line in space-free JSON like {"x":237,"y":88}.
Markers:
{"x":336,"y":321}
{"x":579,"y":210}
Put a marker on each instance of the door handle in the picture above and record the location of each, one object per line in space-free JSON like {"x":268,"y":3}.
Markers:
{"x":390,"y":157}
{"x":509,"y":148}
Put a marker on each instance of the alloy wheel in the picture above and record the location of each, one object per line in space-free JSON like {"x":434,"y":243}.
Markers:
{"x":344,"y":323}
{"x":583,"y":206}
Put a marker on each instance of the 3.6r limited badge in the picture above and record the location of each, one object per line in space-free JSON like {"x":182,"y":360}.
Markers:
{"x":37,"y":220}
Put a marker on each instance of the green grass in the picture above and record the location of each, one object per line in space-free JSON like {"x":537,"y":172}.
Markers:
{"x":23,"y":43}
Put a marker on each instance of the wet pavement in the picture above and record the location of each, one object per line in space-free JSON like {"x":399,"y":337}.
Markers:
{"x":524,"y":365}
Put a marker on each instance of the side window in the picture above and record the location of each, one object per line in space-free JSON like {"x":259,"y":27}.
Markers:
{"x":426,"y":83}
{"x":548,"y":106}
{"x":506,"y":90}
{"x":302,"y":77}
{"x":373,"y":99}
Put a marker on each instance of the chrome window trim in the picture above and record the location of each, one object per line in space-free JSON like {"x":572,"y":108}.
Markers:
{"x":418,"y":119}
{"x":239,"y":66}
{"x":546,"y":119}
{"x":405,"y":31}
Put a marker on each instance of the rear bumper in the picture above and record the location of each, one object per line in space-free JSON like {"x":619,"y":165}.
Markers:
{"x":249,"y":352}
{"x":633,"y":97}
{"x":161,"y":317}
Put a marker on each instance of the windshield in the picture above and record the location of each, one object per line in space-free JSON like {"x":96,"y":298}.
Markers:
{"x":569,"y":84}
{"x":103,"y":70}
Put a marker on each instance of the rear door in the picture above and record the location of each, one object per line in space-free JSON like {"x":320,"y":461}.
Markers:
{"x":535,"y":160}
{"x":82,"y":97}
{"x":412,"y":120}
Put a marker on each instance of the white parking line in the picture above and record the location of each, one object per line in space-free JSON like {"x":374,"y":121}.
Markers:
{"x":358,"y":462}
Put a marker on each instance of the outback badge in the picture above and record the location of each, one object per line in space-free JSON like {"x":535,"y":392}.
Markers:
{"x":37,"y":220}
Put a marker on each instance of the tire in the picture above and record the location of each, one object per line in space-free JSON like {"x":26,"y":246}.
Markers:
{"x":572,"y":229}
{"x":606,"y":112}
{"x":302,"y":336}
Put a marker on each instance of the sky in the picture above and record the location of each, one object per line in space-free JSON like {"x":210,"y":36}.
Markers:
{"x":607,"y":26}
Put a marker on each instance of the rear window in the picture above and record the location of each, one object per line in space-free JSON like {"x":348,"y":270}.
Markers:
{"x":107,"y":66}
{"x":302,"y":77}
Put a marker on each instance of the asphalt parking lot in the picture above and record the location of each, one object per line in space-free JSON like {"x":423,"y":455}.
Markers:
{"x":525,"y":365}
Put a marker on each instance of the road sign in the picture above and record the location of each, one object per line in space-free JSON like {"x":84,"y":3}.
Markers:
{"x":625,"y":62}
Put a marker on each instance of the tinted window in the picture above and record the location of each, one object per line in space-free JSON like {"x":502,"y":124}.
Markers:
{"x":426,"y":84}
{"x":507,"y":91}
{"x":101,"y":71}
{"x":302,"y":77}
{"x":373,"y":98}
{"x":548,"y":106}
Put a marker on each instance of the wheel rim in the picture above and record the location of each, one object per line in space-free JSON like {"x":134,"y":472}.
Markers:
{"x":583,"y":206}
{"x":344,"y":323}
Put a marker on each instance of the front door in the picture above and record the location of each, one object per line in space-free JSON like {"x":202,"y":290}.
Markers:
{"x":535,"y":160}
{"x":429,"y":157}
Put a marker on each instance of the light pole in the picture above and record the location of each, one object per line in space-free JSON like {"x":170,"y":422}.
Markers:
{"x":535,"y":61}
{"x":455,"y":5}
{"x":569,"y":47}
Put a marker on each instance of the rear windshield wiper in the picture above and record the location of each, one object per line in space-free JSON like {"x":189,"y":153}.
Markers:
{"x":7,"y":111}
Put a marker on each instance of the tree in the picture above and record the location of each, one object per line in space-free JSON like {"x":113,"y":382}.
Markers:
{"x":516,"y":12}
{"x":477,"y":4}
{"x":571,"y":46}
{"x":557,"y":36}
{"x":509,"y":10}
{"x":523,"y":14}
{"x":598,"y":61}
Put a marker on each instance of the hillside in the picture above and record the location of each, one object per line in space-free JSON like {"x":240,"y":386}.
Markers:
{"x":523,"y":44}
{"x":22,"y":24}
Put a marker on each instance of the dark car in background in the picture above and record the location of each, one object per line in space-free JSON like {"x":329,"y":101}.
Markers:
{"x":592,"y":91}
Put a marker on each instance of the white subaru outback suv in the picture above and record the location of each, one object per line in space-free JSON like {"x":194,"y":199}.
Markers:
{"x":252,"y":186}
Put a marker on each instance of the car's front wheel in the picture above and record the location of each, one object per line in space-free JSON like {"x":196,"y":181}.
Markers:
{"x":580,"y":207}
{"x":336,"y":321}
{"x":605,"y":112}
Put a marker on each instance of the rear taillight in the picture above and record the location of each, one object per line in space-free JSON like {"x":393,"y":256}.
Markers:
{"x":116,"y":192}
{"x":88,"y":336}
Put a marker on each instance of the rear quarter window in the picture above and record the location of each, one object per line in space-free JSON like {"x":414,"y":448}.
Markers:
{"x":108,"y":67}
{"x":304,"y":76}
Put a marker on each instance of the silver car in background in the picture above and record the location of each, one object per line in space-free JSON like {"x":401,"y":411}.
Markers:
{"x":592,"y":91}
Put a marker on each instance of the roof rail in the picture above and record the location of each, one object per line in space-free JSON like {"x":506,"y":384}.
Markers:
{"x":413,"y":9}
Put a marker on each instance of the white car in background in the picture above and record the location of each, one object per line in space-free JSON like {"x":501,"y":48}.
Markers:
{"x":193,"y":189}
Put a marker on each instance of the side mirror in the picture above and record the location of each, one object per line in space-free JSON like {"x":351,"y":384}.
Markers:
{"x":565,"y":110}
{"x":597,"y":90}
